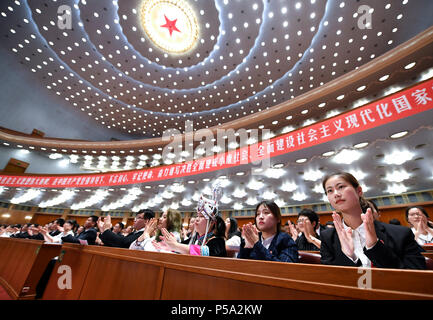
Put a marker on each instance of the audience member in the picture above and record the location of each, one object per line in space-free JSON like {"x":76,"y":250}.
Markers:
{"x":79,"y":230}
{"x":111,"y":239}
{"x":128,"y":230}
{"x":34,"y":233}
{"x":189,"y":232}
{"x":308,"y":222}
{"x":264,"y":240}
{"x":23,"y":233}
{"x":208,"y":239}
{"x":358,"y":239}
{"x":88,"y":236}
{"x":171,"y":220}
{"x":286,"y":227}
{"x":232,"y":236}
{"x":118,"y":227}
{"x":422,"y":228}
{"x":65,"y":230}
{"x":56,"y":225}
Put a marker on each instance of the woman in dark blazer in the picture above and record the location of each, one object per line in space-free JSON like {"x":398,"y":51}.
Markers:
{"x":264,"y":240}
{"x":358,"y":239}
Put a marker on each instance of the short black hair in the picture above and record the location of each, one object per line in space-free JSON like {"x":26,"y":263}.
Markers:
{"x":121,"y":225}
{"x":94,"y":219}
{"x":148,"y":214}
{"x":311,"y":215}
{"x":60,"y":221}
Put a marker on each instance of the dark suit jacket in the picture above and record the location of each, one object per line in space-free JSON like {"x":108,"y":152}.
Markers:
{"x":303,"y":244}
{"x":54,"y":233}
{"x":110,"y":239}
{"x":396,"y":248}
{"x":89,"y":235}
{"x":282,"y":248}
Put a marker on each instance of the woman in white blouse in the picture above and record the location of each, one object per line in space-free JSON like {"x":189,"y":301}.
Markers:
{"x":422,"y":229}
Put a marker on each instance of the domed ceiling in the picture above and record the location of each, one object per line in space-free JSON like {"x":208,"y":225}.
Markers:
{"x":142,"y":67}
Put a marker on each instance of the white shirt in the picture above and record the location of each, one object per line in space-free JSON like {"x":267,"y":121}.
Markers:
{"x":267,"y":242}
{"x":58,"y":238}
{"x":423,"y":238}
{"x":234,"y":243}
{"x":358,"y":237}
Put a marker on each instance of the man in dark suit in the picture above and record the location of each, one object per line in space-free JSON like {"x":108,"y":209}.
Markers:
{"x":88,"y":235}
{"x":55,"y":227}
{"x":111,"y":239}
{"x":395,"y":248}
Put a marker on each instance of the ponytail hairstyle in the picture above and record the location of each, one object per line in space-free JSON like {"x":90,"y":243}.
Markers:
{"x":349,"y":178}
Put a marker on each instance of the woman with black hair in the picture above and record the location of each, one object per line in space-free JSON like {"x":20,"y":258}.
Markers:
{"x":264,"y":240}
{"x":233,"y":237}
{"x":422,"y":228}
{"x":360,"y":240}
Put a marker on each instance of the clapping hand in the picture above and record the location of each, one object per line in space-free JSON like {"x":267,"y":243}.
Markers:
{"x":370,"y":232}
{"x":345,"y":236}
{"x":105,"y":224}
{"x":293,"y":231}
{"x":250,"y":234}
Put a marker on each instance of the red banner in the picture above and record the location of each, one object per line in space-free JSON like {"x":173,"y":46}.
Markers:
{"x":392,"y":108}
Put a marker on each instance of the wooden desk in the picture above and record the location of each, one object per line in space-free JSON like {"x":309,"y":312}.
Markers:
{"x":22,"y":263}
{"x":114,"y":273}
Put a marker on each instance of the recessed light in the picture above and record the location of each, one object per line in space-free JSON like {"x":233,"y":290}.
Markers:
{"x":399,"y":134}
{"x":328,"y":154}
{"x":360,"y":145}
{"x":410,"y":65}
{"x":301,"y":160}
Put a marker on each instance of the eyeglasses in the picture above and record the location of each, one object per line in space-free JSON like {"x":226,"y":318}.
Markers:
{"x":301,"y":220}
{"x":138,"y":218}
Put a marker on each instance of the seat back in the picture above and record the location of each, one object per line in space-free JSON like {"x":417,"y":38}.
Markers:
{"x":309,"y":257}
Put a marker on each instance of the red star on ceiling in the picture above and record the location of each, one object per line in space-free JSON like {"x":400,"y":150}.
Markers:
{"x":170,"y":25}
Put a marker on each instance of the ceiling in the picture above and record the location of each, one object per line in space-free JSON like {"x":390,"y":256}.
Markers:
{"x":249,"y":58}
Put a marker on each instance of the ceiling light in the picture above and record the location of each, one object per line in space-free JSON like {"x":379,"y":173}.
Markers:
{"x":186,"y":203}
{"x":301,"y":160}
{"x":347,"y":156}
{"x":299,"y":196}
{"x":328,"y":153}
{"x":360,"y":145}
{"x":313,"y":175}
{"x":252,"y":201}
{"x":269,"y":195}
{"x":239,"y":193}
{"x":255,"y":185}
{"x":238,"y":206}
{"x":397,"y":176}
{"x":273,"y":173}
{"x":410,"y":65}
{"x":289,"y":186}
{"x":396,"y":188}
{"x":399,"y":134}
{"x":398,"y":157}
{"x":224,"y":199}
{"x":55,"y":156}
